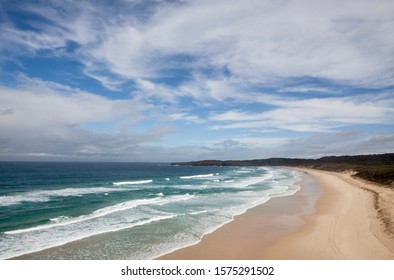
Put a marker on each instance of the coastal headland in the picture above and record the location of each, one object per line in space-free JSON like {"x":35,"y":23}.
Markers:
{"x":335,"y":215}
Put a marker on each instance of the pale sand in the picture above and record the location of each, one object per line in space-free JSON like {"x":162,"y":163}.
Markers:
{"x":343,"y":225}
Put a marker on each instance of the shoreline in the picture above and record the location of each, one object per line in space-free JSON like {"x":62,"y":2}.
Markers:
{"x":342,"y":223}
{"x":240,"y":238}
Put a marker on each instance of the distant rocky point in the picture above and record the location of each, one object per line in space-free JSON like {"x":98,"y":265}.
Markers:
{"x":378,"y":168}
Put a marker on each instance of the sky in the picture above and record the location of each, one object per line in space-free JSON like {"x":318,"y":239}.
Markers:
{"x":164,"y":81}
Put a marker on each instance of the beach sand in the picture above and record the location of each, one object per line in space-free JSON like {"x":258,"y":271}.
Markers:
{"x":333,"y":216}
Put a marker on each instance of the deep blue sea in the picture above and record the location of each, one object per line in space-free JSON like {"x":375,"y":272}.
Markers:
{"x":124,"y":210}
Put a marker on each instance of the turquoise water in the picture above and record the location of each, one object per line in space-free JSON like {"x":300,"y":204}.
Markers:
{"x":124,"y":210}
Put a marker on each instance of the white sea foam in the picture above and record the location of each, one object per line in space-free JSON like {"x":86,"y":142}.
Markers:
{"x":46,"y":195}
{"x":243,"y":171}
{"x":197,"y":176}
{"x":198,"y":212}
{"x":246,"y":182}
{"x":132,"y":182}
{"x":224,"y":181}
{"x":255,"y":188}
{"x":60,"y":221}
{"x":32,"y":243}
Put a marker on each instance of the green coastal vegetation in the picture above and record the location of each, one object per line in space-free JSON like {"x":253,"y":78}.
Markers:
{"x":377,"y":168}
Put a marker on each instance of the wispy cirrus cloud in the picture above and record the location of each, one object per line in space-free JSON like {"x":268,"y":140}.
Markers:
{"x":317,"y":114}
{"x":259,"y":41}
{"x":266,"y":44}
{"x":214,"y":78}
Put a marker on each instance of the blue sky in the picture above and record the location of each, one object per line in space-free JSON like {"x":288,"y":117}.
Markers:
{"x":134,"y":80}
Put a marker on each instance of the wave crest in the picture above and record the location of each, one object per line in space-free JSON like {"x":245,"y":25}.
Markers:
{"x":63,"y":221}
{"x":132,"y":182}
{"x":46,"y":195}
{"x":197,"y":176}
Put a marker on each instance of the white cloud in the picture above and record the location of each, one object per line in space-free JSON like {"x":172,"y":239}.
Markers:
{"x":44,"y":103}
{"x":318,"y":145}
{"x":339,"y":143}
{"x":264,"y":40}
{"x":317,"y":114}
{"x":159,"y":92}
{"x":188,"y":118}
{"x":50,"y":119}
{"x":224,"y":50}
{"x":259,"y":41}
{"x":310,"y":89}
{"x":109,"y":83}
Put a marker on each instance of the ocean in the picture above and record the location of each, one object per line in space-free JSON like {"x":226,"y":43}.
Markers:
{"x":124,"y":210}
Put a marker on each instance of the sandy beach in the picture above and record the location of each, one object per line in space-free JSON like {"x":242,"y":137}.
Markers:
{"x":333,"y":216}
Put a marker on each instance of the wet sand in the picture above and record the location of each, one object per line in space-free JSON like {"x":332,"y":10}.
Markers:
{"x":333,"y":216}
{"x":251,"y":233}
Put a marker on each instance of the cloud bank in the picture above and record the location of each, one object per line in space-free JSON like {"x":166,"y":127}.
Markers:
{"x":173,"y":80}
